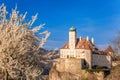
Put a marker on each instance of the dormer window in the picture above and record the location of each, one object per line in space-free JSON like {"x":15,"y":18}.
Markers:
{"x":66,"y":46}
{"x":78,"y":46}
{"x":83,"y":46}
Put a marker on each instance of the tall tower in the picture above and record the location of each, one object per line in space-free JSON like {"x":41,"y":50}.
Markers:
{"x":72,"y":38}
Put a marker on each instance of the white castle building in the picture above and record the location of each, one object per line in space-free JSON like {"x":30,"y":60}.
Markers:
{"x":84,"y":49}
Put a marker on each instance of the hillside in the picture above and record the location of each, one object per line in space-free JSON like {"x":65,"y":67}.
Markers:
{"x":59,"y":73}
{"x":114,"y":73}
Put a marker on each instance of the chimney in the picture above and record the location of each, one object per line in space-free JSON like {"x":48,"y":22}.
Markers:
{"x":92,"y":40}
{"x":80,"y":38}
{"x":87,"y":38}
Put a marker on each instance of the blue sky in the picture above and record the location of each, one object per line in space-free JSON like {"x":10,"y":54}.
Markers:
{"x":94,"y":18}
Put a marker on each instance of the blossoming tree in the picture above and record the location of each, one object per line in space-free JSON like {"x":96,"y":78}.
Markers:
{"x":20,"y":43}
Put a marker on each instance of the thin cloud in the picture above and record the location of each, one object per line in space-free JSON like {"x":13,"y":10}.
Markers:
{"x":102,"y":46}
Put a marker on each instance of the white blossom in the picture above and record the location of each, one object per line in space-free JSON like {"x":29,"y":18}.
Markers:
{"x":19,"y":44}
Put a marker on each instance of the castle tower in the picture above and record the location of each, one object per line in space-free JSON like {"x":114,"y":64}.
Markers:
{"x":72,"y":38}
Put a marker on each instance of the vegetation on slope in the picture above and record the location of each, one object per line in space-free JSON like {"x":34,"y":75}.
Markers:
{"x":114,"y":73}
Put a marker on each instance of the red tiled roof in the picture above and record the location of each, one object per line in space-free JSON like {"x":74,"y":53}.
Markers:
{"x":84,"y":44}
{"x":101,"y":52}
{"x":81,"y":44}
{"x":66,"y":46}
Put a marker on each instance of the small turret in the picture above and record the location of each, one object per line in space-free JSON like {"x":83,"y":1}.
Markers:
{"x":80,"y":38}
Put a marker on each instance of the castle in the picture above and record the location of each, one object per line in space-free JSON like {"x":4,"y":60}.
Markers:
{"x":85,"y":50}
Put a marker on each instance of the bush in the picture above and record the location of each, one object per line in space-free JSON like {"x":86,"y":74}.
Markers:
{"x":98,"y":67}
{"x":93,"y":70}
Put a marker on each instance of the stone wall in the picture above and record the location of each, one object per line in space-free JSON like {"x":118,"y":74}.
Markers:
{"x":88,"y":58}
{"x":70,"y":69}
{"x":68,"y":65}
{"x":65,"y":67}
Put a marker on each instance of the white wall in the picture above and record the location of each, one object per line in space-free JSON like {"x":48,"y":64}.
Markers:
{"x":77,"y":53}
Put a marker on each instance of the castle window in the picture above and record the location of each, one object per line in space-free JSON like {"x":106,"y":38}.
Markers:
{"x":83,"y":55}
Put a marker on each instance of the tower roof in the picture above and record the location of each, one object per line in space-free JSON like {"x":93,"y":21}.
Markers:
{"x":72,"y":28}
{"x":109,"y":49}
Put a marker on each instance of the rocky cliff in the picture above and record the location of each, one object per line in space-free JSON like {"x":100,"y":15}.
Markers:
{"x":70,"y":69}
{"x":114,"y":73}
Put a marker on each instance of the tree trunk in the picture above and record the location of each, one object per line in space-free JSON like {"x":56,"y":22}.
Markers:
{"x":5,"y":75}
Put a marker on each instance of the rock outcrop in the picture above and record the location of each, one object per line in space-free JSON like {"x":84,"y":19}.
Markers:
{"x":70,"y":69}
{"x":114,"y":73}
